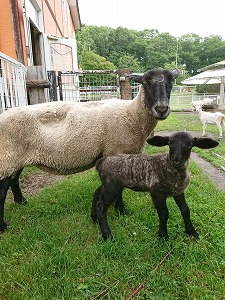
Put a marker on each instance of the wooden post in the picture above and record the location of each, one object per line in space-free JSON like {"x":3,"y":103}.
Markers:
{"x":53,"y":86}
{"x":125,"y":87}
{"x":221,"y":104}
{"x":36,"y":83}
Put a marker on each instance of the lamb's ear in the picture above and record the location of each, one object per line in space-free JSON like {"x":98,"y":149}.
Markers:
{"x":205,"y":143}
{"x":137,"y":77}
{"x":158,"y":141}
{"x":175,"y":73}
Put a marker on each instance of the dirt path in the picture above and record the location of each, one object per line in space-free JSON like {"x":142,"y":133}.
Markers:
{"x":217,"y":176}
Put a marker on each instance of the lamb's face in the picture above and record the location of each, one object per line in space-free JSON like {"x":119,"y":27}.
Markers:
{"x":180,"y":145}
{"x":158,"y":84}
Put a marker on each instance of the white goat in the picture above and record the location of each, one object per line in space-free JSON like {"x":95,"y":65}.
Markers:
{"x":211,"y":118}
{"x":197,"y":103}
{"x":162,"y":175}
{"x":68,"y":137}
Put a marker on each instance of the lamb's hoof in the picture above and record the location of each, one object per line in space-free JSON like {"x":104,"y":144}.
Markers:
{"x":122,"y":212}
{"x":194,"y":234}
{"x":107,"y":236}
{"x":20,"y":201}
{"x":3,"y":227}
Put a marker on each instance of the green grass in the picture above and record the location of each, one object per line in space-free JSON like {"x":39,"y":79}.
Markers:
{"x":52,"y":249}
{"x":191,"y":122}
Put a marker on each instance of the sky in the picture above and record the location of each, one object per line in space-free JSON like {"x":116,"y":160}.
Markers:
{"x":178,"y":17}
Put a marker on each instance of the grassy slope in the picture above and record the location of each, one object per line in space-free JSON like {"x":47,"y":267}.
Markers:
{"x":53,"y":251}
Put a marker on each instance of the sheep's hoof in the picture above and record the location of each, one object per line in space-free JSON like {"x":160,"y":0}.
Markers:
{"x":164,"y":238}
{"x":3,"y":227}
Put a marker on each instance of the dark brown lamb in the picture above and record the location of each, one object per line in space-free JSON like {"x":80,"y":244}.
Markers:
{"x":162,"y":175}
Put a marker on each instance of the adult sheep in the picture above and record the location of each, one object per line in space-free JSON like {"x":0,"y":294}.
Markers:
{"x":68,"y":137}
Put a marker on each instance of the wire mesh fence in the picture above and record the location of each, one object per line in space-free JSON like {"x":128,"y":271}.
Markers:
{"x":12,"y":83}
{"x":88,"y":85}
{"x":181,"y":101}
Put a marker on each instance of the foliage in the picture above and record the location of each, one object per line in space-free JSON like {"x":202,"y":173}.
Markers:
{"x":129,"y":61}
{"x":93,"y":61}
{"x":149,"y":48}
{"x":208,"y":88}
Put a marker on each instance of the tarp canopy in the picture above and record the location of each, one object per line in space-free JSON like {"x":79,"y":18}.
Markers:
{"x":207,"y":77}
{"x":210,"y":76}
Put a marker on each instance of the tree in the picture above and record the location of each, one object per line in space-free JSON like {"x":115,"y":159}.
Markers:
{"x":131,"y":62}
{"x":148,"y":48}
{"x":92,"y":61}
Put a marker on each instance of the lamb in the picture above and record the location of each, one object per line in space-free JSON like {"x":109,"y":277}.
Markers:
{"x":211,"y":118}
{"x":162,"y":175}
{"x":68,"y":137}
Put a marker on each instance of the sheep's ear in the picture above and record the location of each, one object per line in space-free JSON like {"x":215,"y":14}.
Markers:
{"x":205,"y":143}
{"x":137,"y":77}
{"x":175,"y":73}
{"x":158,"y":141}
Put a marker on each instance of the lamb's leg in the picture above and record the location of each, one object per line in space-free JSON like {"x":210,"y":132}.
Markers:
{"x":119,"y":205}
{"x":163,"y":213}
{"x":185,"y":211}
{"x":15,"y":187}
{"x":4,"y":186}
{"x":94,"y":204}
{"x":103,"y":202}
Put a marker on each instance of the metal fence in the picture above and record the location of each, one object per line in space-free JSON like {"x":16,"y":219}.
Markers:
{"x":88,"y":85}
{"x":180,"y":101}
{"x":12,"y":83}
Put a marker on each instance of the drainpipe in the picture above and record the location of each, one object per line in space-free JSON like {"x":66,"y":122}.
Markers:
{"x":17,"y":30}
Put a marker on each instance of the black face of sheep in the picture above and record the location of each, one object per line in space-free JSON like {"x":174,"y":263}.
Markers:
{"x":157,"y":84}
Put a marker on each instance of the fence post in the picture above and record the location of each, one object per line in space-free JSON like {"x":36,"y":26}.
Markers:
{"x":53,"y":85}
{"x":36,"y":83}
{"x":125,"y":87}
{"x":60,"y":85}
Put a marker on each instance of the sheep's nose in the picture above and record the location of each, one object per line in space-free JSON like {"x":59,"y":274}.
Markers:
{"x":162,"y":109}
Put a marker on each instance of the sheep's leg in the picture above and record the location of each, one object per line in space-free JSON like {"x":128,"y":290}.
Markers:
{"x":220,"y":129}
{"x":4,"y":186}
{"x":185,"y":211}
{"x":103,"y":202}
{"x":15,"y":187}
{"x":203,"y":129}
{"x":163,"y":213}
{"x":94,"y":204}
